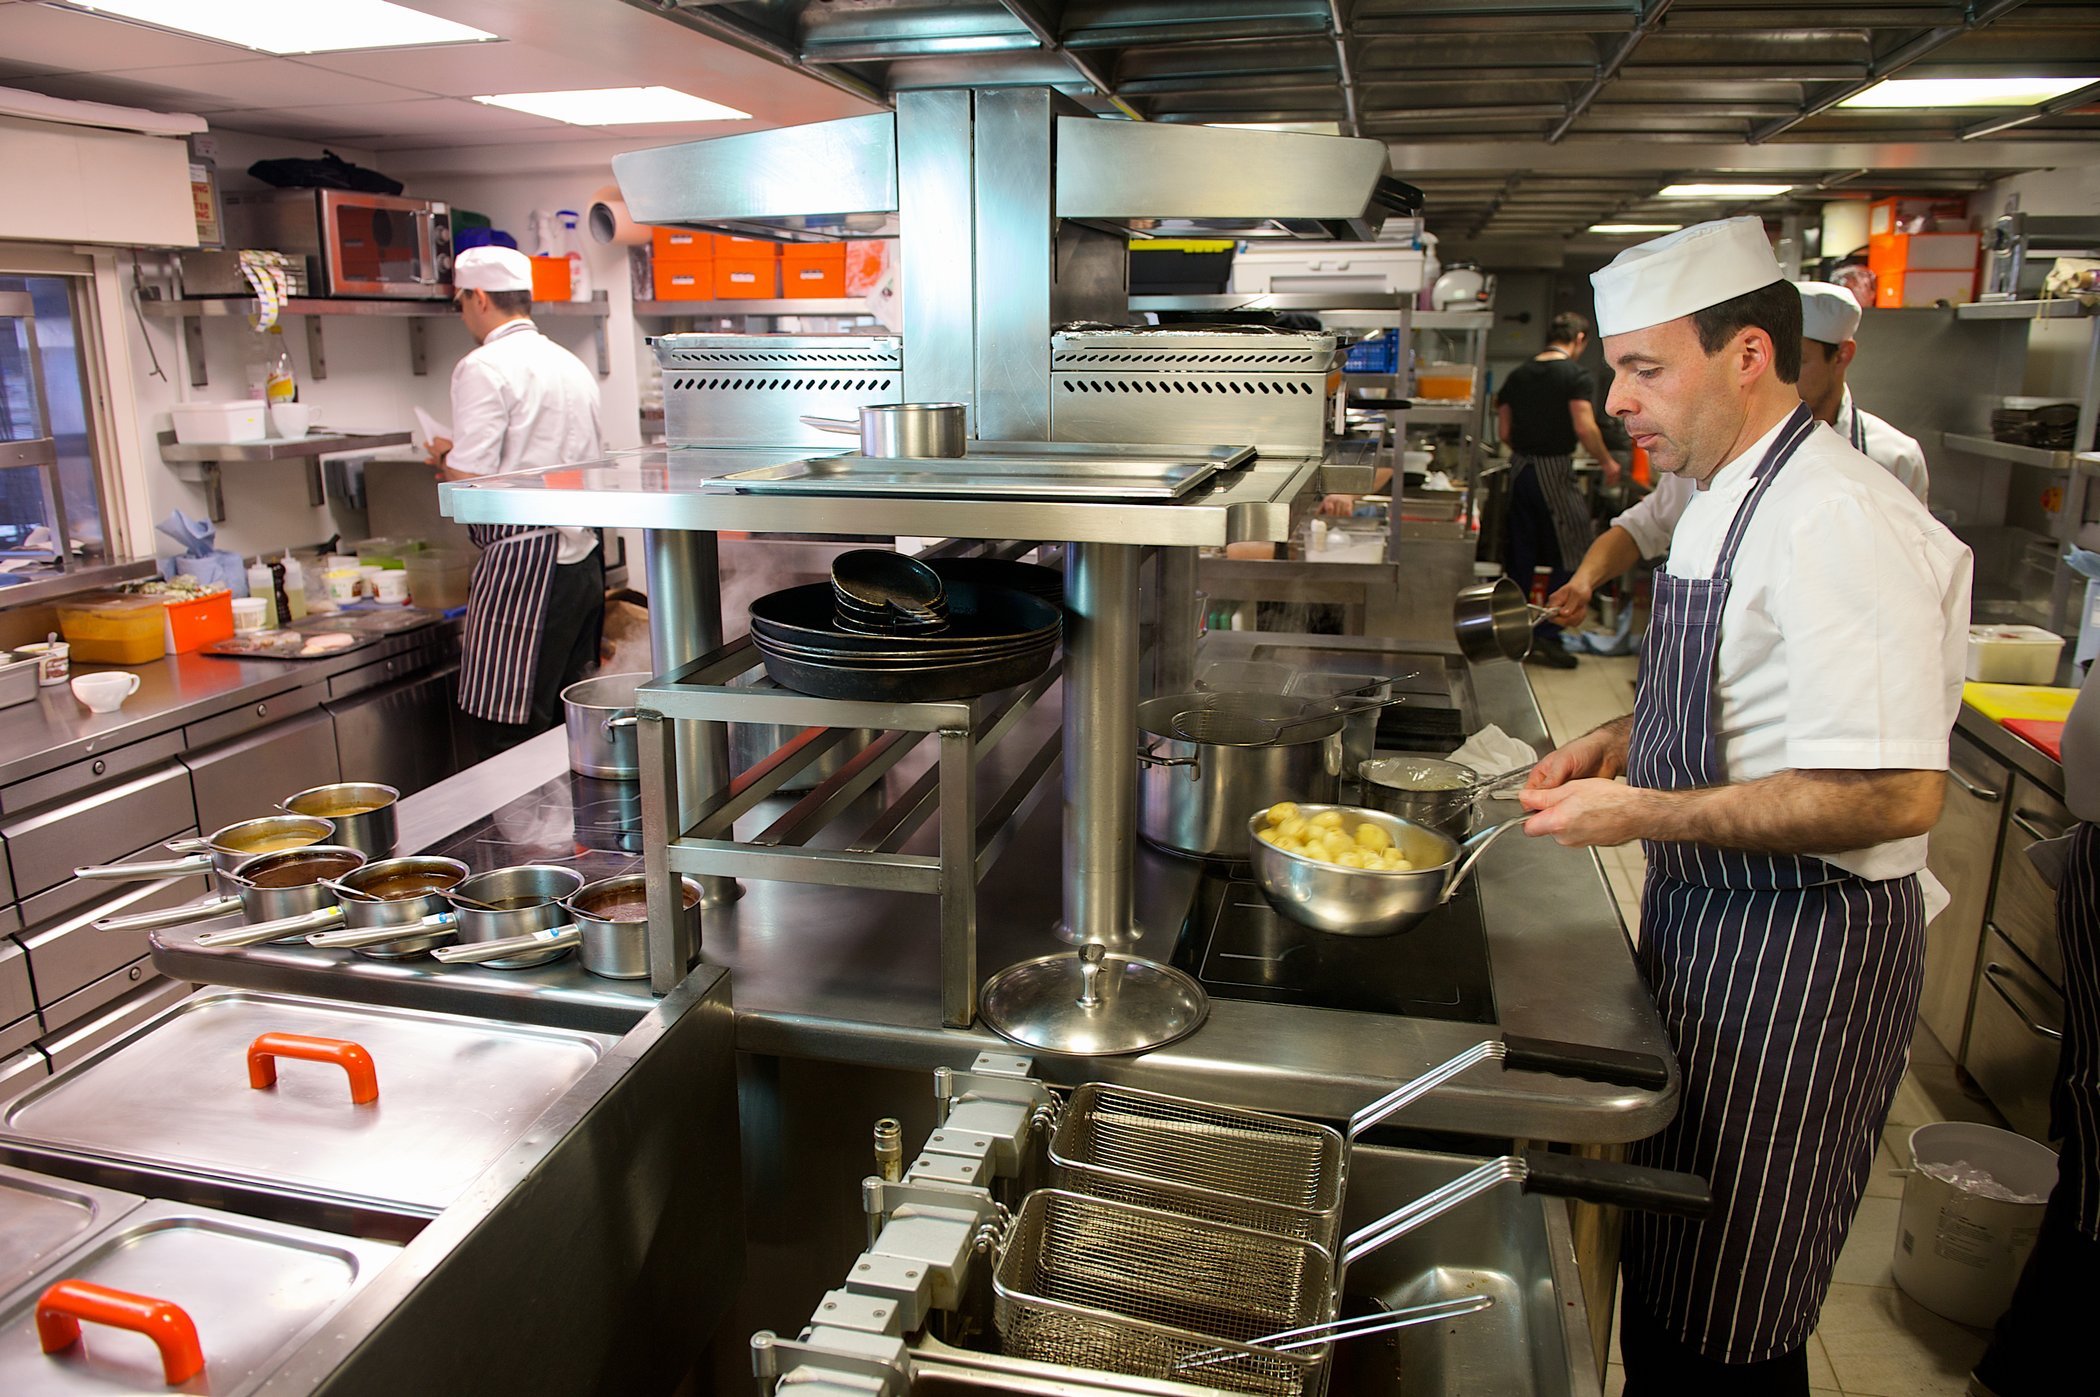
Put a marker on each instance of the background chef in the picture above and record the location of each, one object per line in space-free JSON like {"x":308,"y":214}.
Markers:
{"x":1830,"y":319}
{"x":537,"y":595}
{"x":1801,"y":674}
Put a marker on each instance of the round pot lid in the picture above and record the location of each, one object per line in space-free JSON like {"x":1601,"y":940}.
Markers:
{"x":1093,"y":1003}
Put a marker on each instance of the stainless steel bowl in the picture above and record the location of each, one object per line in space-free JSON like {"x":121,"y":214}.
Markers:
{"x":1366,"y":901}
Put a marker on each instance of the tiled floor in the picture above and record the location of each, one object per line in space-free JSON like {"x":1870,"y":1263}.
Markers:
{"x":1874,"y":1340}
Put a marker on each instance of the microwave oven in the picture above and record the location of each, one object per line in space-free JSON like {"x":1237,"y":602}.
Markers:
{"x":377,"y":245}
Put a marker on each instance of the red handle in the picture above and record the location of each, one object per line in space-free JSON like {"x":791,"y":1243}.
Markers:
{"x":60,"y":1310}
{"x":264,"y":1052}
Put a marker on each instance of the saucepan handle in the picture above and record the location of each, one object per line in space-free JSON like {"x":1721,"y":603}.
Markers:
{"x":61,"y":1309}
{"x":283,"y":928}
{"x":1613,"y":1065}
{"x":140,"y":872}
{"x":171,"y":916}
{"x":360,"y":937}
{"x":481,"y":952}
{"x":1149,"y":756}
{"x":1475,"y":847}
{"x":624,"y":719}
{"x":833,"y":424}
{"x":1623,"y":1185}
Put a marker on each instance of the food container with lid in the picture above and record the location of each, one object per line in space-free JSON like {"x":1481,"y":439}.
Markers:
{"x":114,"y":630}
{"x":210,"y":424}
{"x":18,"y":676}
{"x":195,"y":622}
{"x":2012,"y":655}
{"x":312,"y":1105}
{"x":438,"y":577}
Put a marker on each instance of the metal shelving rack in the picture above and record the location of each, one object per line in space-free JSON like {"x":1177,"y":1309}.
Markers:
{"x":313,"y":312}
{"x":2078,"y":465}
{"x":208,"y":457}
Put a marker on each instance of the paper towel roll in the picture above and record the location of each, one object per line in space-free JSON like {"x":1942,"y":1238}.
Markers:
{"x":609,"y":222}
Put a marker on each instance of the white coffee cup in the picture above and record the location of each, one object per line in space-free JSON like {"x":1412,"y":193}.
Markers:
{"x":291,"y":420}
{"x":391,"y":587}
{"x":105,"y":692}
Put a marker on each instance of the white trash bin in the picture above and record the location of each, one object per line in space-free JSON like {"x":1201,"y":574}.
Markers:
{"x":1958,"y":1252}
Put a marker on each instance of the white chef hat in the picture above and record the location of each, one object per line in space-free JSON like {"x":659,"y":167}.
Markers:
{"x":1682,"y":272}
{"x":1828,"y":313}
{"x":492,"y":269}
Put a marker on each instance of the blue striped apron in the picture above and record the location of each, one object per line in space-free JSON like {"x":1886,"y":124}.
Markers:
{"x":2075,"y":1096}
{"x":1789,"y":988}
{"x":506,"y":612}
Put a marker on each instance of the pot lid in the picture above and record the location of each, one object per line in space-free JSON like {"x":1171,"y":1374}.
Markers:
{"x":253,"y":1290}
{"x":42,"y":1216}
{"x":1125,"y":1005}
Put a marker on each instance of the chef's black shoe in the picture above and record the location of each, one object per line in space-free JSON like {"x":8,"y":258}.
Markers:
{"x":1552,"y":654}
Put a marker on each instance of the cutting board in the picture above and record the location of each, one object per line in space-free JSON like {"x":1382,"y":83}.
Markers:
{"x":2048,"y":737}
{"x":2029,"y":701}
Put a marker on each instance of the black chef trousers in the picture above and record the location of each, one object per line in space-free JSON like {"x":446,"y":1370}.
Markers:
{"x":1657,"y":1365}
{"x":568,"y":649}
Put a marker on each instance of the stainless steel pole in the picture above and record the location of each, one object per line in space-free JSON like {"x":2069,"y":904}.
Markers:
{"x":685,"y":622}
{"x":1100,"y":757}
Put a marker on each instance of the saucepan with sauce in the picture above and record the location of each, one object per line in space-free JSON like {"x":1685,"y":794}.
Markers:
{"x":608,"y":920}
{"x":512,"y":918}
{"x":362,"y":811}
{"x":396,"y":908}
{"x":220,"y":853}
{"x":284,"y":894}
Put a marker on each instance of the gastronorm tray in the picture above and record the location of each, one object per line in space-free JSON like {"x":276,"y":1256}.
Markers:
{"x":172,"y":1100}
{"x":41,"y":1217}
{"x":1084,"y":472}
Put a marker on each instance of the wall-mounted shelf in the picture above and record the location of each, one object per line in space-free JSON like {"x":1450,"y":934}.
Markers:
{"x":203,"y":459}
{"x":679,"y":310}
{"x":2061,"y":308}
{"x":314,"y":311}
{"x":1995,"y":450}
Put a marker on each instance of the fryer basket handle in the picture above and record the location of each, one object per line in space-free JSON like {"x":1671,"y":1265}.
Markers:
{"x":1624,"y":1185}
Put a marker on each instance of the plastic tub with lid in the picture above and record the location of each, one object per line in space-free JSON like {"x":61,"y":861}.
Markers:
{"x":114,"y":630}
{"x":437,"y":577}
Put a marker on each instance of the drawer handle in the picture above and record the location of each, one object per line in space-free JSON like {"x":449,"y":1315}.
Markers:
{"x":2035,"y":826}
{"x":1998,"y":975}
{"x":353,"y":1059}
{"x":1980,"y":792}
{"x":60,"y":1310}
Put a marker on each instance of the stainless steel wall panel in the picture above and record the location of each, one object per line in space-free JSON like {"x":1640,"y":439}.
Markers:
{"x":939,"y":266}
{"x":43,"y":849}
{"x":1010,"y":177}
{"x":246,"y":778}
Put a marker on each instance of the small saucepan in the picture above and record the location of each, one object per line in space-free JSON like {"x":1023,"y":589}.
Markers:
{"x":1431,"y":791}
{"x":610,"y":927}
{"x":395,"y":908}
{"x":284,"y":895}
{"x":220,"y":852}
{"x":1492,"y":621}
{"x":507,"y":905}
{"x":362,"y":812}
{"x":892,"y":430}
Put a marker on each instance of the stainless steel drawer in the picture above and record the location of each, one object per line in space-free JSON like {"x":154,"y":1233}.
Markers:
{"x":7,"y":892}
{"x":84,"y":1002}
{"x":16,"y":996}
{"x":44,"y":848}
{"x":19,"y":1034}
{"x":21,"y":1071}
{"x":246,"y":778}
{"x":2015,"y":1036}
{"x":106,"y":899}
{"x":1963,"y":844}
{"x":2024,"y":907}
{"x":250,"y":716}
{"x":124,"y":1011}
{"x":69,"y":781}
{"x":68,"y":954}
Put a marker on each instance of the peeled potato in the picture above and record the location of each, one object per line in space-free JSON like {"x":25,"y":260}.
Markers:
{"x":1350,"y":858}
{"x":1267,"y":836}
{"x":1282,"y":810}
{"x":1328,"y":819}
{"x":1294,"y":827}
{"x":1373,"y":837}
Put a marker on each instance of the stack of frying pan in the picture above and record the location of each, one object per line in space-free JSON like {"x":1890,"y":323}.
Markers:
{"x":889,"y":628}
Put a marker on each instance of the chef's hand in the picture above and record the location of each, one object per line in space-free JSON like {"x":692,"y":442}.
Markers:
{"x":1594,"y":755}
{"x":1586,"y":812}
{"x":435,"y":453}
{"x":1571,"y":603}
{"x":1344,"y":505}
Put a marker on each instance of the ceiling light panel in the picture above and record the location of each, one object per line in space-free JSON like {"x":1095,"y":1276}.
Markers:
{"x":272,"y":26}
{"x":1721,"y":193}
{"x":616,"y":106}
{"x":1929,"y":93}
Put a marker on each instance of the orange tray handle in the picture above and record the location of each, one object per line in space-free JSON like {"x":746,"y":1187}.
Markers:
{"x":60,"y":1310}
{"x":353,"y":1059}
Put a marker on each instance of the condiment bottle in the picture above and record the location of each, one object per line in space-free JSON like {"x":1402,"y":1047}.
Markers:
{"x":294,"y":587}
{"x":261,"y":584}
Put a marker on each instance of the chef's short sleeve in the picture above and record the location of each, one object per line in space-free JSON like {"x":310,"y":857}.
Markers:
{"x":1864,"y":606}
{"x":1652,"y":519}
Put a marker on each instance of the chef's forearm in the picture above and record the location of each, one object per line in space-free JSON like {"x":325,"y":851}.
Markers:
{"x":1612,"y":555}
{"x":1593,"y":442}
{"x":1798,"y":812}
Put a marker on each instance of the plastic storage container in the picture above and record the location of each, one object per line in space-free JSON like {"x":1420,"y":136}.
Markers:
{"x":1378,"y":355}
{"x":1444,"y":383}
{"x":813,"y":269}
{"x":387,"y":552}
{"x":2012,"y":655}
{"x":437,"y":577}
{"x":198,"y":622}
{"x":115,"y":630}
{"x":209,"y":424}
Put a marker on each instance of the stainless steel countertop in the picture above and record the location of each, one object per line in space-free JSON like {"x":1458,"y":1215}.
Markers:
{"x":2022,"y":756}
{"x":56,"y":728}
{"x":851,"y":975}
{"x":681,"y":488}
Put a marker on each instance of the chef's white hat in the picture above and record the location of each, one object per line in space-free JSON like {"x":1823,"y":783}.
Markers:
{"x":1682,"y":272}
{"x":492,"y":269}
{"x":1828,"y":313}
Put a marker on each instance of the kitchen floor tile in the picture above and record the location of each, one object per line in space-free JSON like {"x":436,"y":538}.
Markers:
{"x":1881,"y":1343}
{"x":1820,"y":1373}
{"x":1870,"y":1246}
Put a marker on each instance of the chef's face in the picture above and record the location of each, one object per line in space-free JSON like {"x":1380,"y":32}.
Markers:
{"x":1681,"y":405}
{"x":1823,"y":373}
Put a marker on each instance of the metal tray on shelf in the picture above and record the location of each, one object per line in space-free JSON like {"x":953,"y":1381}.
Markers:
{"x":1005,"y":470}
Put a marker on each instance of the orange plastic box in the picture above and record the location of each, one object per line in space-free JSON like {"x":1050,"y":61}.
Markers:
{"x":198,"y":622}
{"x":685,"y":281}
{"x":813,"y":269}
{"x":550,"y":279}
{"x":681,"y":244}
{"x":747,"y":278}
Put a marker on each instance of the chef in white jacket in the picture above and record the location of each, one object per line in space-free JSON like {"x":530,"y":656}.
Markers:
{"x":1785,"y":758}
{"x":1830,"y":319}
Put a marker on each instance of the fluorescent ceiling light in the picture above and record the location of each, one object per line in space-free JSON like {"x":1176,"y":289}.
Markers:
{"x":1965,"y":92}
{"x":1635,"y":227}
{"x":616,"y":106}
{"x":303,"y":26}
{"x":1722,"y":193}
{"x":1306,"y":128}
